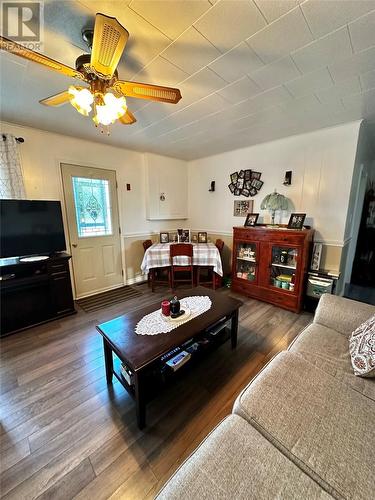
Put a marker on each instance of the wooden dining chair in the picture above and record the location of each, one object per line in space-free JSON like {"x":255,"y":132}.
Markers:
{"x":156,"y":275}
{"x":209,"y":275}
{"x":147,"y":244}
{"x":182,"y":250}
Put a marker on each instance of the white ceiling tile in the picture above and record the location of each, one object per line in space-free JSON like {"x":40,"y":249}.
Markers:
{"x":275,"y":96}
{"x":173,"y":17}
{"x":237,"y":62}
{"x":240,"y":90}
{"x":340,"y":89}
{"x":324,"y":16}
{"x":366,"y":101}
{"x":208,"y":105}
{"x":324,"y":51}
{"x":230,"y":22}
{"x":310,"y":82}
{"x":273,"y":9}
{"x":191,"y":51}
{"x":202,"y":83}
{"x":161,"y":72}
{"x":358,"y":63}
{"x":362,"y":32}
{"x":368,"y":80}
{"x":275,"y":73}
{"x":271,"y":42}
{"x":145,"y":41}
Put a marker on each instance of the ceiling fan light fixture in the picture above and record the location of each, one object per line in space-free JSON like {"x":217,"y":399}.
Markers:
{"x":112,"y":109}
{"x":81,"y":100}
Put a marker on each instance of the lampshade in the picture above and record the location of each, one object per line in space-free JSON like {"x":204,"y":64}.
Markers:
{"x":274,"y":201}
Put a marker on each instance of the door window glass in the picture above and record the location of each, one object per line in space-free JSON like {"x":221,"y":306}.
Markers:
{"x":92,"y":207}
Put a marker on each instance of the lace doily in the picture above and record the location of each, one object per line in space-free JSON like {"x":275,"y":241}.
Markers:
{"x":154,"y":323}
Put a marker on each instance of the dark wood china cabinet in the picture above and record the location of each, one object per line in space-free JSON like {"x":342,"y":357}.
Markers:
{"x":270,"y":264}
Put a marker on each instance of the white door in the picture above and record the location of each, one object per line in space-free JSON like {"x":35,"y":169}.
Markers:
{"x":94,"y":231}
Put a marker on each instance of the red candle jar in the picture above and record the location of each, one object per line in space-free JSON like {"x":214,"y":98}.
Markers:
{"x":166,"y":307}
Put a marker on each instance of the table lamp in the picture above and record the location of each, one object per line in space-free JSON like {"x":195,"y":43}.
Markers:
{"x":273,"y":202}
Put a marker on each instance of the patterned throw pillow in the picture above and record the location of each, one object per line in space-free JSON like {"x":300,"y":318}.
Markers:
{"x":362,"y":349}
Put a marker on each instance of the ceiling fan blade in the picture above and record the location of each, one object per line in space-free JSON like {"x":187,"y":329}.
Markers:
{"x":60,"y":98}
{"x":128,"y":118}
{"x":146,"y":91}
{"x":108,"y":45}
{"x":31,"y":55}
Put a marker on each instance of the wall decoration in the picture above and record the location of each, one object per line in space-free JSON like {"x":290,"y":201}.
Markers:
{"x":202,"y":237}
{"x":242,"y":207}
{"x":251,"y":219}
{"x":245,"y":183}
{"x":316,"y":256}
{"x":164,"y":237}
{"x":296,"y":221}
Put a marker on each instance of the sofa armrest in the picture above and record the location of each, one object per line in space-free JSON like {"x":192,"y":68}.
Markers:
{"x":340,"y":314}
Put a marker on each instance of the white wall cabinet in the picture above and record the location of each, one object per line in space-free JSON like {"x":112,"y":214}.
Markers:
{"x":166,"y":188}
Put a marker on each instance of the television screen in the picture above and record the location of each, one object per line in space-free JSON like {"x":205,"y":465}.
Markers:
{"x":30,"y":227}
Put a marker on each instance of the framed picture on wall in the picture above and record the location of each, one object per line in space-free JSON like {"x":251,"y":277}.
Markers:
{"x":296,"y":221}
{"x":242,"y":207}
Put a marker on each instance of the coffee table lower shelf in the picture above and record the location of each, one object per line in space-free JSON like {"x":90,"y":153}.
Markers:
{"x":154,"y":377}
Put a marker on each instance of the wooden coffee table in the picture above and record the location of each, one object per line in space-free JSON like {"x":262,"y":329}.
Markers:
{"x":142,"y":353}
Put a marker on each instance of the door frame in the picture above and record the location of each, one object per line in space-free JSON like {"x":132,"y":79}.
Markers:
{"x":59,"y":162}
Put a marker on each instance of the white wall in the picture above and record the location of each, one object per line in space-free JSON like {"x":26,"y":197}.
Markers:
{"x":322,"y":163}
{"x":41,"y":154}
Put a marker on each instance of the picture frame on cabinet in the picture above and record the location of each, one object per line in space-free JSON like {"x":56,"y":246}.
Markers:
{"x":202,"y":237}
{"x":251,"y":220}
{"x":296,"y":221}
{"x":164,"y":237}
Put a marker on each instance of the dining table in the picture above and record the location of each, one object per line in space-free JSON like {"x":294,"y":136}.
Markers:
{"x":204,"y":254}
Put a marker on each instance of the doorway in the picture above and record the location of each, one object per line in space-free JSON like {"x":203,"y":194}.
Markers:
{"x":94,"y":230}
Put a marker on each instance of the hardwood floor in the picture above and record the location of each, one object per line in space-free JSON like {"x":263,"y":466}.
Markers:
{"x":65,"y":435}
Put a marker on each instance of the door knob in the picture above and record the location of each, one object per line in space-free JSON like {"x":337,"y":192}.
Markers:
{"x":74,"y":245}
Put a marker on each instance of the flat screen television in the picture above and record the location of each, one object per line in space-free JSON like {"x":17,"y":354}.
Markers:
{"x":30,"y":227}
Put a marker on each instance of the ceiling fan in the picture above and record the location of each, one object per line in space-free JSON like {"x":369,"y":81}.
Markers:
{"x":106,"y":94}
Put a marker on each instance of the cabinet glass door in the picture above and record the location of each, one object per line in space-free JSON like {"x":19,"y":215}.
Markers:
{"x":246,"y":258}
{"x":284,"y":268}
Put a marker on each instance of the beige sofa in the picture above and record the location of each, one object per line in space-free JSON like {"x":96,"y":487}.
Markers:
{"x":303,"y":428}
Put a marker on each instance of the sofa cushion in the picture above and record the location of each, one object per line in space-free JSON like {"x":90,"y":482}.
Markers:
{"x":342,"y":315}
{"x":322,"y":425}
{"x":236,"y":461}
{"x":329,"y":350}
{"x":362,"y":349}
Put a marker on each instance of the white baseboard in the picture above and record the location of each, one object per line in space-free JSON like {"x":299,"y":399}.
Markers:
{"x":137,"y":280}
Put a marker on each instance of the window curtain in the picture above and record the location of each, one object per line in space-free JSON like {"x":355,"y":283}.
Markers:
{"x":11,"y":179}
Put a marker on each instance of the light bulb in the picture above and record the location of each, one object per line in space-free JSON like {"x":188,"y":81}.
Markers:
{"x":112,"y":109}
{"x":81,"y":99}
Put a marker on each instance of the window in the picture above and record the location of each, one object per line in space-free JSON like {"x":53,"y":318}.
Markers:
{"x":92,"y":207}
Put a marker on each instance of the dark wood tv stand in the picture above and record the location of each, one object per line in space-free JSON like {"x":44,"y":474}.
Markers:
{"x":34,"y":292}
